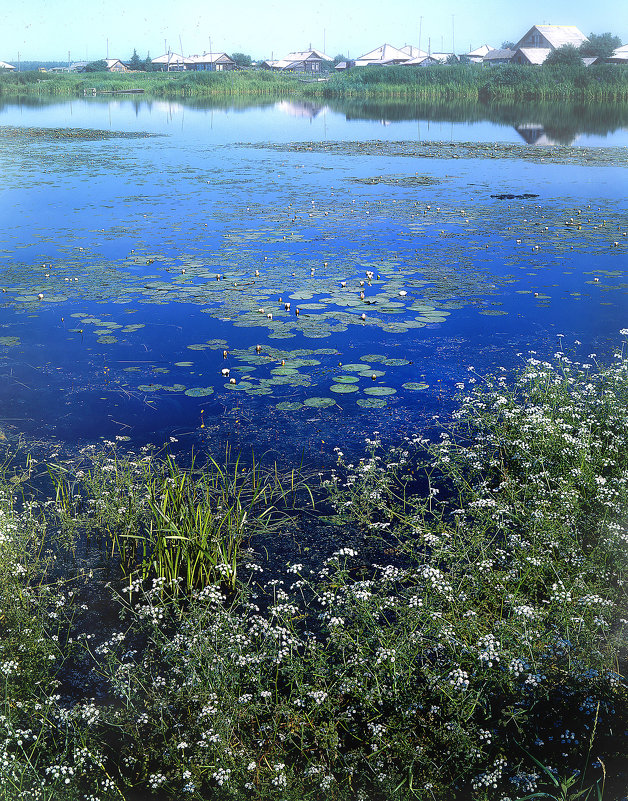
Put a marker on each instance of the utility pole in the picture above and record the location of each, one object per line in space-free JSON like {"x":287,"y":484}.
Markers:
{"x":420,"y":26}
{"x":107,"y":47}
{"x":18,"y":60}
{"x":68,"y":60}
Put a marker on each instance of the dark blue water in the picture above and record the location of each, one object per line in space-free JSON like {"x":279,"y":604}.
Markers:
{"x":130,"y":234}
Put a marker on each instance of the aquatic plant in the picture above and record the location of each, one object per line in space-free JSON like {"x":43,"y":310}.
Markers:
{"x":462,"y":638}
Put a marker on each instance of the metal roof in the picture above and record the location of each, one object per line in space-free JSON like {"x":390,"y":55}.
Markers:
{"x":413,"y":52}
{"x":480,"y":51}
{"x":302,"y":55}
{"x":382,"y":55}
{"x":557,"y":35}
{"x":209,"y":58}
{"x":535,"y":55}
{"x":169,"y":58}
{"x":501,"y":54}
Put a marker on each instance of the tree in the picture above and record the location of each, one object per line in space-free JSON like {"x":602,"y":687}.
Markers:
{"x":135,"y":62}
{"x":567,"y":55}
{"x":339,"y":58}
{"x":242,"y":60}
{"x":148,"y":65}
{"x":96,"y":66}
{"x":601,"y":45}
{"x":508,"y":46}
{"x":451,"y":59}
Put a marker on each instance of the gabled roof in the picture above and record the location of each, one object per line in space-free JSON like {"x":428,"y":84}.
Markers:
{"x":210,"y":58}
{"x":169,"y":58}
{"x":480,"y":52}
{"x":420,"y":61}
{"x":557,"y":35}
{"x":5,"y":66}
{"x":303,"y":55}
{"x":502,"y":54}
{"x":621,"y":52}
{"x":534,"y":55}
{"x":382,"y":55}
{"x":412,"y":51}
{"x":441,"y":57}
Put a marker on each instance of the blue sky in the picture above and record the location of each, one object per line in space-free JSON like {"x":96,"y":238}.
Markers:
{"x":48,"y":29}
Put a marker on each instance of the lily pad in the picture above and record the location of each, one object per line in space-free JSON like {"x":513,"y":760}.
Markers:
{"x":289,"y":406}
{"x":415,"y":385}
{"x":319,"y":403}
{"x":380,"y":391}
{"x":354,"y":368}
{"x":199,"y":392}
{"x":371,"y":403}
{"x":343,"y":388}
{"x":395,"y":362}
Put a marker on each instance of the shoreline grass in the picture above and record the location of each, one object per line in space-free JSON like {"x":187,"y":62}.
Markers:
{"x":462,"y":638}
{"x":599,"y":83}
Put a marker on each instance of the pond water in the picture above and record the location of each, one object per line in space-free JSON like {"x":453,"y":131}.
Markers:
{"x":346,"y":264}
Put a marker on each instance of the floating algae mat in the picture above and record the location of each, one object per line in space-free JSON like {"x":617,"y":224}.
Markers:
{"x":614,"y":156}
{"x":278,"y":283}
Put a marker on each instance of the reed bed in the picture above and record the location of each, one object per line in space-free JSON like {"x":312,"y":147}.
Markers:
{"x":599,"y":83}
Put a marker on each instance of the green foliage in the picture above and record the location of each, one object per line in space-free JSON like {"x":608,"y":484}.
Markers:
{"x":96,"y":66}
{"x":466,"y":644}
{"x":470,"y":82}
{"x":600,"y":45}
{"x":567,"y":56}
{"x":242,"y":59}
{"x":135,"y":62}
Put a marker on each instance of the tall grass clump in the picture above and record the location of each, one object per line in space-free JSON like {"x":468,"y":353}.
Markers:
{"x":180,"y":526}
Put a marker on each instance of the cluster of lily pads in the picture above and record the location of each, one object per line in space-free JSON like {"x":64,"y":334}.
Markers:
{"x":379,"y":262}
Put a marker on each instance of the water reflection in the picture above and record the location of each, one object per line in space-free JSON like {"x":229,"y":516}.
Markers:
{"x":534,"y":134}
{"x":537,"y":123}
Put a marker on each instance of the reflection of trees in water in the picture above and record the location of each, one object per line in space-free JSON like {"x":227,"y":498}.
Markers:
{"x":559,"y":123}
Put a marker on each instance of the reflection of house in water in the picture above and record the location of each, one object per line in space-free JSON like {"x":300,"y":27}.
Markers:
{"x":300,"y":108}
{"x":534,"y":134}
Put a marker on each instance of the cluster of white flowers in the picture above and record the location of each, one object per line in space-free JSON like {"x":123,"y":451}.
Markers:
{"x":489,"y":647}
{"x":459,"y":679}
{"x":221,"y":776}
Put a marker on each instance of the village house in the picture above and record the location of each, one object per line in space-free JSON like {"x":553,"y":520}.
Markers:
{"x":382,"y":56}
{"x":413,"y":52}
{"x":305,"y":61}
{"x":421,"y":61}
{"x":499,"y":56}
{"x":5,"y":66}
{"x":535,"y":46}
{"x":620,"y":56}
{"x":115,"y":65}
{"x":169,"y":62}
{"x":210,"y":62}
{"x":477,"y":56}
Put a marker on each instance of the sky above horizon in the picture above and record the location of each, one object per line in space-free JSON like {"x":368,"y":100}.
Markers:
{"x":46,"y":30}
